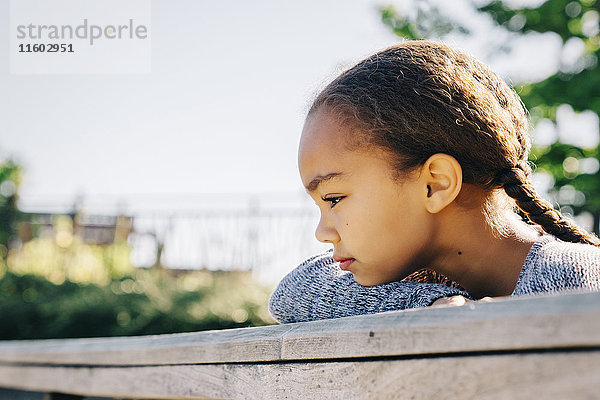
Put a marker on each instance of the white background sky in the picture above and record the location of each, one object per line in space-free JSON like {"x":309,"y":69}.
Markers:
{"x":222,"y":109}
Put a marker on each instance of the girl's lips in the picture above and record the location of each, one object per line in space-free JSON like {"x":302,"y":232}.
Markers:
{"x":345,"y":264}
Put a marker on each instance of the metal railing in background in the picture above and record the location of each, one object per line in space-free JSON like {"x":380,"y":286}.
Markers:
{"x":268,"y":234}
{"x":268,"y":242}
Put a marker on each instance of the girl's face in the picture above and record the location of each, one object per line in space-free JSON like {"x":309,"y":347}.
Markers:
{"x":378,"y":226}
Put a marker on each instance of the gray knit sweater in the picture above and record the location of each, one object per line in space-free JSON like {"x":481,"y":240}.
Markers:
{"x":319,"y":289}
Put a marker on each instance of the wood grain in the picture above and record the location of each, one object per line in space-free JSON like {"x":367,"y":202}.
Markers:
{"x":549,"y":321}
{"x":572,"y":375}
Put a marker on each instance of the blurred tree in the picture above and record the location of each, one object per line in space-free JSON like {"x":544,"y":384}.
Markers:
{"x":55,"y":285}
{"x":574,"y":169}
{"x":10,"y":178}
{"x":143,"y":303}
{"x":58,"y":254}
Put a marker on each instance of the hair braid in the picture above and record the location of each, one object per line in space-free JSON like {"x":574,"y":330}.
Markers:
{"x":517,"y":185}
{"x":419,"y":98}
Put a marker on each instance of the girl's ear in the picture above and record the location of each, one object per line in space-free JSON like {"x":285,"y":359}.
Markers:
{"x":442,"y":177}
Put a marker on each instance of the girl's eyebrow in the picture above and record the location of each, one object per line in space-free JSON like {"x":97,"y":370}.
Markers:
{"x":314,"y":184}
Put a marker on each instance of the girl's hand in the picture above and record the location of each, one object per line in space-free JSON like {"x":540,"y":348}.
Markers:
{"x":458,"y":300}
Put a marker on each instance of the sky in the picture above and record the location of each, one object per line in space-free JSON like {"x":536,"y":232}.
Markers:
{"x":220,"y":112}
{"x":221,"y":107}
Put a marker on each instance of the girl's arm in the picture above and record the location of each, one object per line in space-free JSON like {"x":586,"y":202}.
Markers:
{"x":319,"y":289}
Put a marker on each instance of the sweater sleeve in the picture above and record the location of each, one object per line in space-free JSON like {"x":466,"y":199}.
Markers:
{"x":319,"y":289}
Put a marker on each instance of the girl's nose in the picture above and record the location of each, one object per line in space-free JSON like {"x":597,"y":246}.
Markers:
{"x":325,"y":232}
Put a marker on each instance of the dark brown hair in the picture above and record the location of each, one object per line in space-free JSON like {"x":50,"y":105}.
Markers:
{"x":420,"y":98}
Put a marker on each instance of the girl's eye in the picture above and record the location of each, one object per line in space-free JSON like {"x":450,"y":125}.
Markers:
{"x":332,"y":200}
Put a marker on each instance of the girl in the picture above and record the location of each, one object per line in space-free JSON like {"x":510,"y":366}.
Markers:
{"x":417,"y":157}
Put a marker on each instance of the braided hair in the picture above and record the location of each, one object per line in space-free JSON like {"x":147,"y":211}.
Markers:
{"x":419,"y":98}
{"x":516,"y":184}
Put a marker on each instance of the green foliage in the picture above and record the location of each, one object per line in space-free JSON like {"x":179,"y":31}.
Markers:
{"x":426,"y":23}
{"x":10,"y":178}
{"x":561,"y":16}
{"x":561,"y":161}
{"x":57,"y":254}
{"x":148,"y":302}
{"x":576,"y":84}
{"x":399,"y":24}
{"x":55,"y":285}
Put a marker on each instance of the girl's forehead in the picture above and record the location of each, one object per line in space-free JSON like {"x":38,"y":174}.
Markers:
{"x":326,"y":133}
{"x":320,"y":145}
{"x":323,"y":151}
{"x":321,"y":127}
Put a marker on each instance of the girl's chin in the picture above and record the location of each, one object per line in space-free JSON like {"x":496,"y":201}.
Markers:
{"x":365,"y":281}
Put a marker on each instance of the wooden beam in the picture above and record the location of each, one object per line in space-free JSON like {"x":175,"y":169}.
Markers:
{"x":550,"y":321}
{"x":547,"y":375}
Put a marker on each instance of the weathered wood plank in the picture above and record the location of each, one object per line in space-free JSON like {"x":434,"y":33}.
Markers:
{"x":572,"y":375}
{"x":550,"y":321}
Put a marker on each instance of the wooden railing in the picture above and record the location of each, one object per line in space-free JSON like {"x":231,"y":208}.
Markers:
{"x":515,"y":348}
